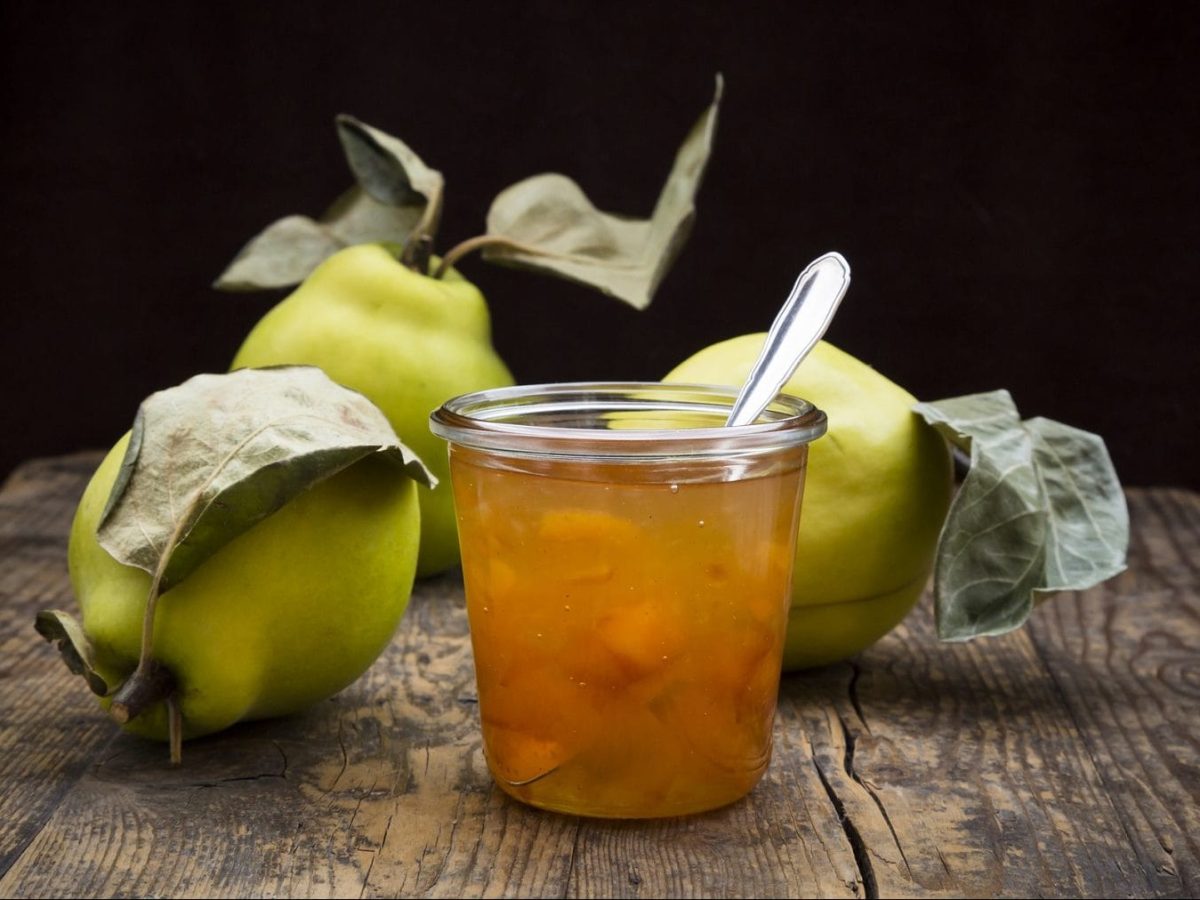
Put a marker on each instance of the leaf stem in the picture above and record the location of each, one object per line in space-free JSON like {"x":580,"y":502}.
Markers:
{"x":145,"y":658}
{"x":484,"y":240}
{"x":151,"y":681}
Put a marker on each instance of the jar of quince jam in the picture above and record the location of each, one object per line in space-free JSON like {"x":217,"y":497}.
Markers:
{"x":627,"y":563}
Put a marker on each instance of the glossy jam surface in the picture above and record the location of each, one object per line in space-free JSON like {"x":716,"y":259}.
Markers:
{"x":627,"y":629}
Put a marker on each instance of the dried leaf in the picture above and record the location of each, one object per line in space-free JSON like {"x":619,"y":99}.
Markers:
{"x":1041,"y":510}
{"x":287,"y":251}
{"x":386,"y":167}
{"x":553,"y":227}
{"x":358,"y":218}
{"x":210,"y":458}
{"x":1087,"y":515}
{"x":392,"y":198}
{"x":281,"y":255}
{"x":77,"y":651}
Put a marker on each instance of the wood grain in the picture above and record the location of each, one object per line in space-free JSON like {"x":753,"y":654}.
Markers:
{"x":962,"y":773}
{"x":1063,"y":760}
{"x":1126,"y":659}
{"x":49,"y":730}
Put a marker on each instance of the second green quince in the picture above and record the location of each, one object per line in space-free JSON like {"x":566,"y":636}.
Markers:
{"x":407,"y":341}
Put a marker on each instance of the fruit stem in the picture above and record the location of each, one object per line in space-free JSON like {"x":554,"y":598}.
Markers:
{"x":484,"y":240}
{"x":420,"y":242}
{"x":419,"y":249}
{"x":145,"y":687}
{"x":175,"y":729}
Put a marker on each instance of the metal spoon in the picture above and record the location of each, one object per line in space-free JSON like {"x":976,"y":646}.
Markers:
{"x":801,"y":322}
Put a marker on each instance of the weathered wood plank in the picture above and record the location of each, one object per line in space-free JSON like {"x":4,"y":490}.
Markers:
{"x":961,"y":774}
{"x":383,"y":791}
{"x":48,"y":727}
{"x":785,"y":840}
{"x":1062,"y":760}
{"x":917,"y":770}
{"x":304,"y":806}
{"x":1126,"y":658}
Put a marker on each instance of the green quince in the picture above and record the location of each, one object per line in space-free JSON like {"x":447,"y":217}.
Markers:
{"x":876,"y":494}
{"x":406,"y":340}
{"x":284,"y":615}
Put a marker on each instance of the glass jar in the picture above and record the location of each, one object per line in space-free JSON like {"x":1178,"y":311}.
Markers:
{"x":627,"y":563}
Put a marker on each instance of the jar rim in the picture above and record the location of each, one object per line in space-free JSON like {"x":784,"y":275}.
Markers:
{"x":572,"y":419}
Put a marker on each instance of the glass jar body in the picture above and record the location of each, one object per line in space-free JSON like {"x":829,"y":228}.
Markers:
{"x":627,"y":616}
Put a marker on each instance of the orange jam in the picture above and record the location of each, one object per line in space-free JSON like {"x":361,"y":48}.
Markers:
{"x":627,"y":621}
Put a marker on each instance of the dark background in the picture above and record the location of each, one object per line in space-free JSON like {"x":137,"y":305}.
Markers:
{"x":1015,"y":185}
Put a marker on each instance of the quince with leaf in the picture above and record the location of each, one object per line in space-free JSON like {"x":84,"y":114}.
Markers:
{"x":244,"y":552}
{"x":1040,"y":509}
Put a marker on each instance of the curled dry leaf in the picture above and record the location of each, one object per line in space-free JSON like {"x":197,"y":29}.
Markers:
{"x":1040,"y":511}
{"x":547,"y":223}
{"x":387,"y":168}
{"x":395,"y":196}
{"x":61,"y":628}
{"x":210,"y":458}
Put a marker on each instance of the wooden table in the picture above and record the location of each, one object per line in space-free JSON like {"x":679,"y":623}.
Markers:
{"x":1063,"y":760}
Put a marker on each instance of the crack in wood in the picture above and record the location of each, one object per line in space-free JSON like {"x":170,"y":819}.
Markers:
{"x":220,"y":781}
{"x":570,"y":873}
{"x":345,"y":756}
{"x":374,"y":856}
{"x":852,"y":689}
{"x":283,"y":756}
{"x":367,"y":876}
{"x":858,"y":846}
{"x":848,"y":765}
{"x":458,"y":817}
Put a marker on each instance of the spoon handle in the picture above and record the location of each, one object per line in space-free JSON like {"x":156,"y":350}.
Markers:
{"x":801,"y":322}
